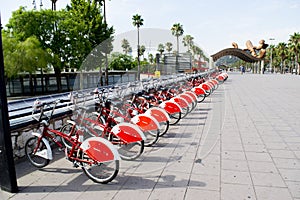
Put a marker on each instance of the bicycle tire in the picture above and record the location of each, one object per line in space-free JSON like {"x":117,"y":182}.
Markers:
{"x":185,"y":111}
{"x":66,"y":130}
{"x":151,"y":137}
{"x":175,"y":118}
{"x":200,"y":98}
{"x":164,"y":127}
{"x":99,"y":132}
{"x":131,"y":151}
{"x":35,"y":160}
{"x":103,"y":172}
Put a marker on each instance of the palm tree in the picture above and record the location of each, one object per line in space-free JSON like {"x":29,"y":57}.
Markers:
{"x":294,"y":46}
{"x":138,"y":22}
{"x":169,"y":47}
{"x":177,"y":31}
{"x":188,"y":42}
{"x":125,"y":45}
{"x":281,"y":51}
{"x":161,"y":49}
{"x":142,"y":50}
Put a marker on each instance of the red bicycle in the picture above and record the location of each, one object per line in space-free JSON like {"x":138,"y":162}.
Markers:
{"x":97,"y":157}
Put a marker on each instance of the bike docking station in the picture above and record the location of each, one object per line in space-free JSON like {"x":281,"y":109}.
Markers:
{"x":103,"y":127}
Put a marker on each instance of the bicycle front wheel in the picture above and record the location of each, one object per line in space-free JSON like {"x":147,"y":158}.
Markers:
{"x":175,"y":118}
{"x":99,"y":172}
{"x":34,"y":152}
{"x":151,"y":137}
{"x":131,"y":151}
{"x":66,"y":129}
{"x":164,"y":127}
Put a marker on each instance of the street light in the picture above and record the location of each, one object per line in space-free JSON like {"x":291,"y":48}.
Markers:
{"x":271,"y":59}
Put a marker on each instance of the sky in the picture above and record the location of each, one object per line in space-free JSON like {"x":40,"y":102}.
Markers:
{"x":214,"y":24}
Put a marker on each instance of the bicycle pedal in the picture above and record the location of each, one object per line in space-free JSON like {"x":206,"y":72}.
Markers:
{"x":61,"y":149}
{"x":75,"y":164}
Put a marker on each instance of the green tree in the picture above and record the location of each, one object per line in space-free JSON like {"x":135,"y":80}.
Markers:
{"x":69,"y":34}
{"x":177,"y":31}
{"x":125,"y":45}
{"x":188,"y":42}
{"x":161,"y":49}
{"x":281,"y":52}
{"x":23,"y":56}
{"x":151,"y":58}
{"x":294,"y":47}
{"x":120,"y":61}
{"x":169,"y":47}
{"x":138,"y":22}
{"x":142,"y":50}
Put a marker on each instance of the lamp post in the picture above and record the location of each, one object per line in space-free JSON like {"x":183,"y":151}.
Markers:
{"x":271,"y":57}
{"x":8,"y":180}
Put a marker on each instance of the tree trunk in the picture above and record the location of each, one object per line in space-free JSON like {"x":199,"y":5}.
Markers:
{"x":57,"y":72}
{"x":31,"y":85}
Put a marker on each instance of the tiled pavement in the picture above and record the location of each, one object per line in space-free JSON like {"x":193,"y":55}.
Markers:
{"x":243,"y":142}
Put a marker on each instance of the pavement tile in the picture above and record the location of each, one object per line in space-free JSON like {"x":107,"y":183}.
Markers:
{"x":235,"y":177}
{"x":205,"y":182}
{"x":276,"y":145}
{"x":275,"y":153}
{"x":126,"y":194}
{"x":294,"y":188}
{"x":258,"y":156}
{"x":287,"y":163}
{"x":267,"y":179}
{"x":297,"y":153}
{"x":259,"y":166}
{"x":260,"y":148}
{"x":237,"y":192}
{"x":290,"y":174}
{"x":272,"y":193}
{"x":232,"y":147}
{"x":193,"y":193}
{"x":172,"y":193}
{"x":292,"y":139}
{"x":206,"y":168}
{"x":233,"y":155}
{"x":239,"y":165}
{"x":169,"y":179}
{"x":294,"y":146}
{"x":252,"y":140}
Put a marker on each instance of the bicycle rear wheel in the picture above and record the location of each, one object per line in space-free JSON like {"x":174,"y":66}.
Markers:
{"x":103,"y":172}
{"x":131,"y":151}
{"x":35,"y":158}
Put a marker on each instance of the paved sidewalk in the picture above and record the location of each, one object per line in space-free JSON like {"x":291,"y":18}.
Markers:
{"x":243,"y":142}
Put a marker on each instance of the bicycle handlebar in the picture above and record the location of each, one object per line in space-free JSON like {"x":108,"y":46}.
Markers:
{"x":40,"y":106}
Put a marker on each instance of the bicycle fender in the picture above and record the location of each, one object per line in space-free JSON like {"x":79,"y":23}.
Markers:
{"x":186,"y":97}
{"x":158,"y":113}
{"x":192,"y":94}
{"x":170,"y":107}
{"x":146,"y":122}
{"x":44,"y":153}
{"x":181,"y":101}
{"x":205,"y":86}
{"x":128,"y":132}
{"x":199,"y":91}
{"x":100,"y":149}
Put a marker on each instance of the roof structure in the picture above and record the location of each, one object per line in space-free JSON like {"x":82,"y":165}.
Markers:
{"x":243,"y":55}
